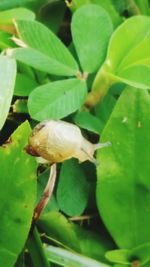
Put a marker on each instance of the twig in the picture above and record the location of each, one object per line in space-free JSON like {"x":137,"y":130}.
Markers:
{"x":47,"y":193}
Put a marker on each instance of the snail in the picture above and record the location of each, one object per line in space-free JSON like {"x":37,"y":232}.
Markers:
{"x":56,"y":141}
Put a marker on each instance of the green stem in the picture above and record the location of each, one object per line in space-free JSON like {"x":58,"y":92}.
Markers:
{"x":100,"y":87}
{"x":133,"y":8}
{"x":143,"y":6}
{"x":35,"y":247}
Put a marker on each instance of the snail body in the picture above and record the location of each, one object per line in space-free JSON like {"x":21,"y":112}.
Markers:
{"x":56,"y":141}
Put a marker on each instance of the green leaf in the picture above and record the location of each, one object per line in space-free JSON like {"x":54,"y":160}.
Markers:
{"x":119,"y":256}
{"x":68,"y":259}
{"x":73,"y":189}
{"x":24,"y":85}
{"x":138,"y":55}
{"x":8,"y":16}
{"x":57,"y":99}
{"x":74,"y":237}
{"x":88,"y":121}
{"x":134,"y":30}
{"x":123,"y":187}
{"x":40,"y":61}
{"x":7,"y":78}
{"x":17,"y":195}
{"x":36,"y":35}
{"x":137,"y":76}
{"x":91,"y":48}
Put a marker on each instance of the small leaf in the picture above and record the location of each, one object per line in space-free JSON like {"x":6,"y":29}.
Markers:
{"x":17,"y":195}
{"x":40,"y":61}
{"x":8,"y":16}
{"x":119,"y":256}
{"x":88,"y":121}
{"x":7,"y":78}
{"x":123,"y":188}
{"x":66,"y":258}
{"x":91,"y":29}
{"x":56,"y":99}
{"x":36,"y":35}
{"x":73,"y":189}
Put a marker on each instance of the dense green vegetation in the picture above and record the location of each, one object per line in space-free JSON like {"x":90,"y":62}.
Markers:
{"x":86,"y":62}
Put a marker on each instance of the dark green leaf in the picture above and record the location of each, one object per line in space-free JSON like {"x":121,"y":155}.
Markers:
{"x":24,"y":85}
{"x":72,"y":177}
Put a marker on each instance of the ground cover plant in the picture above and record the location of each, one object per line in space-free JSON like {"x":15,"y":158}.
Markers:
{"x":86,"y":63}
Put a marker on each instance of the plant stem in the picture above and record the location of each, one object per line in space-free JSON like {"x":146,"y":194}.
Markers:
{"x":35,"y":247}
{"x":135,"y":264}
{"x":143,"y":6}
{"x":47,"y":193}
{"x":133,"y":8}
{"x":101,"y":84}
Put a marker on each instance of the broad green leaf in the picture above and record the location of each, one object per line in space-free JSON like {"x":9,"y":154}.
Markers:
{"x":88,"y":121}
{"x":56,"y":99}
{"x":91,"y":29}
{"x":126,"y":37}
{"x":74,"y":237}
{"x":8,"y":16}
{"x":123,"y":187}
{"x":40,"y":61}
{"x":24,"y":85}
{"x":17,"y":195}
{"x":73,"y":189}
{"x":68,"y":259}
{"x":36,"y":35}
{"x":7,"y":78}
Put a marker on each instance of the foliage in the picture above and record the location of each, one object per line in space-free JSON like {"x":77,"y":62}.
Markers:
{"x":86,"y":62}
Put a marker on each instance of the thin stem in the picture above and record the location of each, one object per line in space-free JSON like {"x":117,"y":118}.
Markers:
{"x":47,"y":193}
{"x":37,"y":253}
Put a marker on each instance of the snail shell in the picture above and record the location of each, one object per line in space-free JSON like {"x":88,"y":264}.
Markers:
{"x":56,"y":141}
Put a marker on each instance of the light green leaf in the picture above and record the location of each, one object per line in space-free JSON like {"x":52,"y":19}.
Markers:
{"x":88,"y":121}
{"x":137,"y":56}
{"x":91,"y":29}
{"x":72,"y":177}
{"x":24,"y":85}
{"x":36,"y":35}
{"x":8,"y":16}
{"x":68,"y":259}
{"x":126,"y":37}
{"x":123,"y":187}
{"x":57,"y":99}
{"x":119,"y":256}
{"x":40,"y":61}
{"x":138,"y":76}
{"x":17,"y":195}
{"x":7,"y":78}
